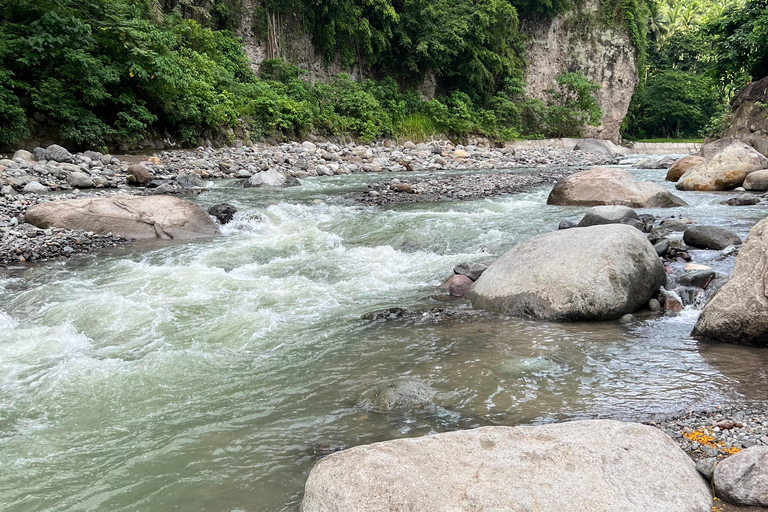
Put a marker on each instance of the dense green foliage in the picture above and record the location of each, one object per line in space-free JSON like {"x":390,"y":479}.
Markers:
{"x":108,"y":72}
{"x":740,"y":42}
{"x":695,"y":62}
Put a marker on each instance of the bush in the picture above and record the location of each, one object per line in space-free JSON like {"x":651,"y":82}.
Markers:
{"x":572,"y":106}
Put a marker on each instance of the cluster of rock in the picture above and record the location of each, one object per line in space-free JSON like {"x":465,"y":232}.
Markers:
{"x":725,"y":164}
{"x":614,"y":264}
{"x":465,"y":187}
{"x":328,"y":159}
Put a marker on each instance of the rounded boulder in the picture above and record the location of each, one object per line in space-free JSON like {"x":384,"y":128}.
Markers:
{"x":140,"y":217}
{"x":598,"y":465}
{"x":595,"y":273}
{"x":608,"y":186}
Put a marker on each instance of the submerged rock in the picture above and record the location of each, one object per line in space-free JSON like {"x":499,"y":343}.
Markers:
{"x":595,"y":273}
{"x":582,"y":465}
{"x":738,"y":312}
{"x":742,"y":200}
{"x":140,"y":217}
{"x":402,"y":394}
{"x":609,"y":186}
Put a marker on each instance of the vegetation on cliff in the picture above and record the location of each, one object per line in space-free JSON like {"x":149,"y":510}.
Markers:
{"x":108,"y":72}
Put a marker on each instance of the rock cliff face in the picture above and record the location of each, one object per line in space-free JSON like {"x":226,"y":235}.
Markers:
{"x":574,"y":41}
{"x":577,"y":42}
{"x":285,"y":37}
{"x":749,"y":114}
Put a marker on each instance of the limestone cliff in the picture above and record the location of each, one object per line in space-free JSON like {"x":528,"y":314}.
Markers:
{"x":577,"y":42}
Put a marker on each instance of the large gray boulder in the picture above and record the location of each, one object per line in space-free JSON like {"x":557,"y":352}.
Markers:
{"x":130,"y":216}
{"x":594,"y":273}
{"x":743,"y":478}
{"x":595,"y":146}
{"x":58,"y":154}
{"x":599,"y":465}
{"x":738,"y":312}
{"x":605,"y":186}
{"x":725,"y":171}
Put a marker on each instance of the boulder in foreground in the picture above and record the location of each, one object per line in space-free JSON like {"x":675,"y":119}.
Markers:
{"x":141,"y":217}
{"x":606,"y":186}
{"x":725,"y":171}
{"x":585,"y":466}
{"x":595,"y":273}
{"x":743,"y":478}
{"x":738,"y":312}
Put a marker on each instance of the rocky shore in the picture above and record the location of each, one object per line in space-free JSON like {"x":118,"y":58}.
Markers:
{"x":465,"y":187}
{"x":54,"y":173}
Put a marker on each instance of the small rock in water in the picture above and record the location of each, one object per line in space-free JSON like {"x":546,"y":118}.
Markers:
{"x":458,"y":285}
{"x":566,"y":224}
{"x":697,"y":278}
{"x":662,"y":248}
{"x":628,"y":318}
{"x":223,"y":212}
{"x":654,"y":305}
{"x":471,"y":270}
{"x":743,"y":200}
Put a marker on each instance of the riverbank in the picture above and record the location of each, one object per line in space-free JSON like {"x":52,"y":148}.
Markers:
{"x":29,"y":178}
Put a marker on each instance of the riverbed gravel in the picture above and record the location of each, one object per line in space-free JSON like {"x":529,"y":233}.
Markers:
{"x":465,"y":187}
{"x":720,"y":430}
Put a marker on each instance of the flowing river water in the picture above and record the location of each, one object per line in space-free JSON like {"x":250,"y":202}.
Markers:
{"x":207,"y":375}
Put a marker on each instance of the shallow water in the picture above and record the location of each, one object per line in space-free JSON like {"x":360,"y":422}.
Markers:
{"x":206,"y":376}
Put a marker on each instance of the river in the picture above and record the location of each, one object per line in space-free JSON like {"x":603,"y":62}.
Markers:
{"x":207,"y":375}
